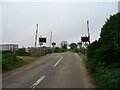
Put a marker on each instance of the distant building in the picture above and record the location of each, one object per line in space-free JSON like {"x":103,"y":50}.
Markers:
{"x":64,"y":44}
{"x":119,"y":7}
{"x":9,"y":47}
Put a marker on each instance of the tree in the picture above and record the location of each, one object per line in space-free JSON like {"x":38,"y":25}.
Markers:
{"x":103,"y":56}
{"x":73,"y":45}
{"x":107,"y":48}
{"x":110,"y":39}
{"x":91,"y":49}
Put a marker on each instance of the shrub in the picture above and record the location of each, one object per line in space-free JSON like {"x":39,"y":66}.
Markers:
{"x":21,"y":52}
{"x":10,"y":61}
{"x":103,"y":56}
{"x":8,"y":56}
{"x":57,"y":50}
{"x":63,"y":50}
{"x":107,"y":78}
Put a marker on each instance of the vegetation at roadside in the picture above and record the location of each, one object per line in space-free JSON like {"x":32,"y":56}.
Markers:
{"x":10,"y":61}
{"x":59,"y":50}
{"x":22,"y":52}
{"x":103,"y":56}
{"x":19,"y":58}
{"x":73,"y":48}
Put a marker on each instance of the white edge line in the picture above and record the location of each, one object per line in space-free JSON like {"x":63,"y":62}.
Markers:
{"x":58,"y":61}
{"x":38,"y":81}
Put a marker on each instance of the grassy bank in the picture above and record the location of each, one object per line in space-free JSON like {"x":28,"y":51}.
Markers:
{"x":11,"y":60}
{"x":29,"y":59}
{"x":104,"y":76}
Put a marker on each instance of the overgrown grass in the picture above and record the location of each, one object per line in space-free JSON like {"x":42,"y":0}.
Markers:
{"x":29,"y":59}
{"x":104,"y":77}
{"x":107,"y":77}
{"x":59,"y":50}
{"x":10,"y":61}
{"x":8,"y":64}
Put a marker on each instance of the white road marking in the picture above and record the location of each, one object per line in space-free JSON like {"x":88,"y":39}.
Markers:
{"x":58,"y":61}
{"x":38,"y":81}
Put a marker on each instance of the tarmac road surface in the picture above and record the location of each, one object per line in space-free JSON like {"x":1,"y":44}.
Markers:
{"x":60,"y":70}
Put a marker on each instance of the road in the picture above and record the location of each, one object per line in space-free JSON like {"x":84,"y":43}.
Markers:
{"x":56,"y":71}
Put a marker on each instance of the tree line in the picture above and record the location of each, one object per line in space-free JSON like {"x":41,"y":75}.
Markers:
{"x":103,"y":55}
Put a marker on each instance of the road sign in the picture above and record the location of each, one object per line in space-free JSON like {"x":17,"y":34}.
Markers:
{"x":42,"y":40}
{"x":40,"y":43}
{"x":79,"y":43}
{"x":85,"y":39}
{"x":53,"y":43}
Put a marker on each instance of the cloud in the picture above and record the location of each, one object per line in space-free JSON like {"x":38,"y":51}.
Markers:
{"x":66,"y":20}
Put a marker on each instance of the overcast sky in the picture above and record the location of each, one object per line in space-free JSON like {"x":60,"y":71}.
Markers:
{"x":67,"y":20}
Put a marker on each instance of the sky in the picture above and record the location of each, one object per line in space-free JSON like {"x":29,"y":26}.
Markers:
{"x":66,"y":20}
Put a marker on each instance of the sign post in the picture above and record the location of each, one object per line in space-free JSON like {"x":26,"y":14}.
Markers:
{"x":41,"y":41}
{"x":40,"y":47}
{"x":80,"y":46}
{"x":53,"y":44}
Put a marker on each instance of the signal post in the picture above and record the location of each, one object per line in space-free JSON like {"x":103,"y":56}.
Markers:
{"x":41,"y":41}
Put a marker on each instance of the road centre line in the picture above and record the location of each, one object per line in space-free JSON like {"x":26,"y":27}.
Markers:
{"x":38,"y":81}
{"x":41,"y":78}
{"x":58,"y":61}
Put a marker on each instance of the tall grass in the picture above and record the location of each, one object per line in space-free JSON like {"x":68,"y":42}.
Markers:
{"x":10,"y":61}
{"x":104,"y":77}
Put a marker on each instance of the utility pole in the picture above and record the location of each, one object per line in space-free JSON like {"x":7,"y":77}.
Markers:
{"x":80,"y":46}
{"x":50,"y":39}
{"x":36,"y":34}
{"x":88,"y":31}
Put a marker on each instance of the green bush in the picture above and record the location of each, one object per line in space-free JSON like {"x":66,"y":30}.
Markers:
{"x":107,"y":78}
{"x":103,"y":56}
{"x":73,"y":48}
{"x":21,"y":52}
{"x":10,"y":61}
{"x":76,"y":50}
{"x":57,"y":50}
{"x":9,"y":56}
{"x":9,"y":64}
{"x":110,"y":38}
{"x":91,"y":49}
{"x":63,"y":49}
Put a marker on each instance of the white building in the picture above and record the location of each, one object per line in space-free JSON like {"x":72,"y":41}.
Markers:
{"x":119,"y":7}
{"x":9,"y":47}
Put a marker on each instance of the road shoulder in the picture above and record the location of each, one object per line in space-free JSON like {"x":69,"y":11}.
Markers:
{"x":86,"y":72}
{"x":29,"y":64}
